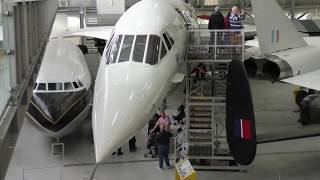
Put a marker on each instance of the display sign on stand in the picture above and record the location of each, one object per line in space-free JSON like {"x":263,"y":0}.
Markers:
{"x":184,"y":171}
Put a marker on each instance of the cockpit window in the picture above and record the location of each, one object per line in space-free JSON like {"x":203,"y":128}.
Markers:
{"x":153,"y":50}
{"x":54,"y":86}
{"x":126,"y":48}
{"x":184,"y":17}
{"x":51,"y":86}
{"x":75,"y":85}
{"x":35,"y":86}
{"x":113,"y":49}
{"x":68,"y":86}
{"x":163,"y":50}
{"x":59,"y":86}
{"x":170,"y":39}
{"x":166,"y":39}
{"x":139,"y":47}
{"x":80,"y":83}
{"x":42,"y":87}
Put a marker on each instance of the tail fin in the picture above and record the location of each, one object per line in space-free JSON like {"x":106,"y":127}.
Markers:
{"x":240,"y":120}
{"x":275,"y":30}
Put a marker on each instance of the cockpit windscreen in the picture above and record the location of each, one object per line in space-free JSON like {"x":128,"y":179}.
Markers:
{"x":137,"y":48}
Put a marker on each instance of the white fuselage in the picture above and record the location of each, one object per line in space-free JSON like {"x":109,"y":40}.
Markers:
{"x":62,"y":91}
{"x":63,"y":62}
{"x":129,"y":88}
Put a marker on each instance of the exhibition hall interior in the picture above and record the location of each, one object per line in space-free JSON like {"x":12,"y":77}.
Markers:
{"x":159,"y":89}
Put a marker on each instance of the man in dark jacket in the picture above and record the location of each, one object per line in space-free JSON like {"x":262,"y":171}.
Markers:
{"x":216,"y":21}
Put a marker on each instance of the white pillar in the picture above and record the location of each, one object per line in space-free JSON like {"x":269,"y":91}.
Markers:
{"x":111,"y":6}
{"x":292,"y":9}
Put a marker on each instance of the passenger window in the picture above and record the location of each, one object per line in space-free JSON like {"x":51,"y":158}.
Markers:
{"x":153,"y":50}
{"x":163,"y":50}
{"x":52,"y":87}
{"x":166,"y":39}
{"x":126,"y":48}
{"x":80,"y":83}
{"x":75,"y":85}
{"x":68,"y":86}
{"x":113,"y":49}
{"x":42,"y":87}
{"x":139,"y":47}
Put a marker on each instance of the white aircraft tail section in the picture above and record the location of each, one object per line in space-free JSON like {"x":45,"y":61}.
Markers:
{"x":275,"y":31}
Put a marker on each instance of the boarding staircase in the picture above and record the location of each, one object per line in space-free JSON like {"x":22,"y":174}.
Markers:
{"x":204,"y":132}
{"x":89,"y":42}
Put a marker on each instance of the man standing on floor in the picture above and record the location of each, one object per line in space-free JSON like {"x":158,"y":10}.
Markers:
{"x":163,"y":140}
{"x":132,"y":144}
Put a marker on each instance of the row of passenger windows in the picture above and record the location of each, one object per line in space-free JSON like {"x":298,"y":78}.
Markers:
{"x":58,"y":86}
{"x":123,"y":48}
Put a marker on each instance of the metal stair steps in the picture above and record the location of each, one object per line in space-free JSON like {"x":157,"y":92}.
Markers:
{"x":196,"y":119}
{"x":201,"y":126}
{"x":200,"y":131}
{"x":200,"y":108}
{"x":204,"y":111}
{"x":200,"y":114}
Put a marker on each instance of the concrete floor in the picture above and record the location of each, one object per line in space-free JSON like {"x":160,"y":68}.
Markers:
{"x":274,"y":106}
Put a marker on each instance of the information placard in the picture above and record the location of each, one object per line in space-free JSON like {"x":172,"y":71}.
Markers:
{"x":185,"y":171}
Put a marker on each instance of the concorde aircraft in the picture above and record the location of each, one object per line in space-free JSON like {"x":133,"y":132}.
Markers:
{"x":137,"y":68}
{"x":286,"y":56}
{"x":62,"y":91}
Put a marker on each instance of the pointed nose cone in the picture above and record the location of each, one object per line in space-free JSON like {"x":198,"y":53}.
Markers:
{"x":123,"y":103}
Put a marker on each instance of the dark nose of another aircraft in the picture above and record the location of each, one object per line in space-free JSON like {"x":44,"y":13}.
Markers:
{"x":56,"y":106}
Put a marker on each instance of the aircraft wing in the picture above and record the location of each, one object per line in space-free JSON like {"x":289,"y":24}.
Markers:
{"x":101,"y":32}
{"x":309,"y":80}
{"x":289,"y":133}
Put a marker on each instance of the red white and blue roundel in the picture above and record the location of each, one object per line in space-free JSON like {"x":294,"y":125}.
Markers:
{"x":243,"y":129}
